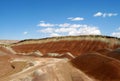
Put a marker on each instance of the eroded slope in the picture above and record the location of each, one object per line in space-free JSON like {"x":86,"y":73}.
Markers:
{"x":76,"y":45}
{"x":98,"y":66}
{"x":73,"y":58}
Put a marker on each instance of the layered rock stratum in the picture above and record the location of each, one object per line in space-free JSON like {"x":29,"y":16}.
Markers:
{"x":70,"y":58}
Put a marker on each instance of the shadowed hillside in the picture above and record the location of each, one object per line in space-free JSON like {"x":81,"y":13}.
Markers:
{"x":98,"y":66}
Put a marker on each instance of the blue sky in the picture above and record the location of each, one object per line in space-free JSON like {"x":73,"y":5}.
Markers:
{"x":24,"y":19}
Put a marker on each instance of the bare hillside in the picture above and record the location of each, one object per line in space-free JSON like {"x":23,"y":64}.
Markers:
{"x":71,"y":58}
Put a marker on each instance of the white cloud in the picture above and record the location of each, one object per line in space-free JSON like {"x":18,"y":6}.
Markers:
{"x":77,"y":25}
{"x":75,"y":18}
{"x":54,"y":34}
{"x":69,"y":25}
{"x":86,"y":31}
{"x":46,"y":30}
{"x":116,"y":34}
{"x":100,"y":14}
{"x":64,"y":25}
{"x":112,"y":14}
{"x":71,"y":29}
{"x":64,"y":30}
{"x":43,"y":24}
{"x":25,"y":33}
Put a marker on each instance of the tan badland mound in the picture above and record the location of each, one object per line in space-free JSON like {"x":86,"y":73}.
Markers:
{"x":98,"y":66}
{"x":7,"y":67}
{"x":49,"y":69}
{"x":6,"y":50}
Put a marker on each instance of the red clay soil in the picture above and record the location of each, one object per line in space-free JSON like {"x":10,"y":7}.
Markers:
{"x":98,"y":66}
{"x":104,"y":51}
{"x":75,"y":47}
{"x":114,"y":54}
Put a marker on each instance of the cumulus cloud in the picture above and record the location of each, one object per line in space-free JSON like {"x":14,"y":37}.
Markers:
{"x":75,"y":18}
{"x":43,"y":24}
{"x":46,"y":30}
{"x":86,"y":31}
{"x":76,"y":25}
{"x":100,"y":14}
{"x":54,"y":35}
{"x":65,"y":29}
{"x":25,"y":33}
{"x":64,"y":25}
{"x":116,"y":33}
